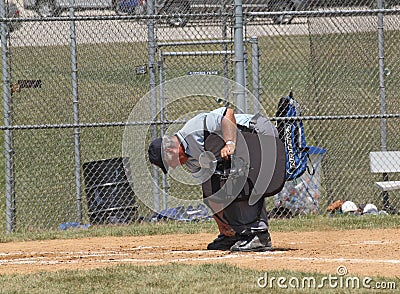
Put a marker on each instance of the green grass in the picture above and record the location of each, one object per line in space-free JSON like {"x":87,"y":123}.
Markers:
{"x":298,"y":224}
{"x":205,"y":278}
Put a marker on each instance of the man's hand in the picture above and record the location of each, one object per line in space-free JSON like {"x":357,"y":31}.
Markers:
{"x":229,"y":133}
{"x":228,"y":149}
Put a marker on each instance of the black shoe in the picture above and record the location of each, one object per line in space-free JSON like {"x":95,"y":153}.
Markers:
{"x":253,"y":243}
{"x":222,"y":242}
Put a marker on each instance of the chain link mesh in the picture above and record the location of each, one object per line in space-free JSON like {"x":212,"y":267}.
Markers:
{"x":64,"y":121}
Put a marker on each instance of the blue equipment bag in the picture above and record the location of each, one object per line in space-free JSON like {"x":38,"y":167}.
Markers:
{"x":291,"y":132}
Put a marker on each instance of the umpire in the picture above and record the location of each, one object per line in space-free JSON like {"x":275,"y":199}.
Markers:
{"x":243,"y":227}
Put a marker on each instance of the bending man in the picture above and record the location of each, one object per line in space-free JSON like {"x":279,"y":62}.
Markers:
{"x":242,"y":227}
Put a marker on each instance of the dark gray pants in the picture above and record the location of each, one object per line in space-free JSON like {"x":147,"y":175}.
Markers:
{"x":242,"y":217}
{"x":247,"y":219}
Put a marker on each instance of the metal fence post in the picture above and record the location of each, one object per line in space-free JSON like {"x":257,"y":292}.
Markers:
{"x":78,"y":184}
{"x":246,"y":79}
{"x":225,"y":58}
{"x":255,"y":57}
{"x":382,"y":92}
{"x":239,"y":59}
{"x":8,"y":134}
{"x":153,"y":94}
{"x":164,"y":180}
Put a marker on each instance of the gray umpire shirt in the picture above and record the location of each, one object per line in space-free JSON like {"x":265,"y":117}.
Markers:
{"x":192,"y":137}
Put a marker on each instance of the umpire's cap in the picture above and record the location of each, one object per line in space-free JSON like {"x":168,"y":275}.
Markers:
{"x":155,"y":154}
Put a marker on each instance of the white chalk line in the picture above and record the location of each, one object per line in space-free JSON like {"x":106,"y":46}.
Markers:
{"x":366,"y":242}
{"x":109,"y":257}
{"x":369,"y":242}
{"x":88,"y":253}
{"x":40,"y":261}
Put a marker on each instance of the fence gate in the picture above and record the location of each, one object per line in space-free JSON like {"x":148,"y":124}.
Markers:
{"x":191,"y":58}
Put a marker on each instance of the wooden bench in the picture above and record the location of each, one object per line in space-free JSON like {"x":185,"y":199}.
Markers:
{"x":385,"y":162}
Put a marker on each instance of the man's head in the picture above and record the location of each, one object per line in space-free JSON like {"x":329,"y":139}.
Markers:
{"x":166,"y":152}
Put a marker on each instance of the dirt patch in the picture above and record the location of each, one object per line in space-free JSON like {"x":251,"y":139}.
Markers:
{"x":362,"y":252}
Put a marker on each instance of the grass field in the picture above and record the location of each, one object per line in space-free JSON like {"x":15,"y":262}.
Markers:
{"x":203,"y":278}
{"x":299,"y":224}
{"x":149,"y":279}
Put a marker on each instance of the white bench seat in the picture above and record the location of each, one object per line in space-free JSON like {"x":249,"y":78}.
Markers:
{"x":385,"y":162}
{"x":388,"y":186}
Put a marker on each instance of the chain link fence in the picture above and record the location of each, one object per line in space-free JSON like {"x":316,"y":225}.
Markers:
{"x":73,"y":71}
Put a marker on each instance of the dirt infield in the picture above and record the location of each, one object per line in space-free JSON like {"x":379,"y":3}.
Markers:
{"x":362,"y":252}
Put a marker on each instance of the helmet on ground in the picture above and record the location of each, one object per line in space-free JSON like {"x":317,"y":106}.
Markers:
{"x":371,"y":209}
{"x":349,"y":206}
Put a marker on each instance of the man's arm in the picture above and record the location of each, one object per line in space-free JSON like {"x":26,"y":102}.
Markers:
{"x":228,"y":125}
